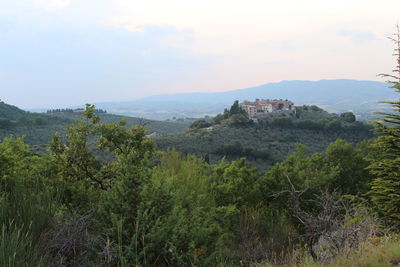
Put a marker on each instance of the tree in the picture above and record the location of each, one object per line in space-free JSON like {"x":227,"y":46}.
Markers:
{"x":349,"y":163}
{"x":234,"y":184}
{"x":236,"y":109}
{"x":77,"y":168}
{"x":179,"y":222}
{"x":385,"y":190}
{"x":118,"y":208}
{"x":348,"y":117}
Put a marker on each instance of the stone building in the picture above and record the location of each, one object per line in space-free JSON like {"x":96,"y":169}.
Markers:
{"x":265,"y":107}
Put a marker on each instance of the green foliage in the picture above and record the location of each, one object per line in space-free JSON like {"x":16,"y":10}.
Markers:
{"x":350,"y":164}
{"x":261,"y":144}
{"x":317,"y":119}
{"x":340,"y":168}
{"x":27,"y":204}
{"x":313,"y":113}
{"x":348,"y":117}
{"x":179,"y":222}
{"x":38,"y":128}
{"x":119,"y":205}
{"x":385,"y":192}
{"x":220,"y":117}
{"x":238,"y":120}
{"x":13,"y":155}
{"x":10,"y":112}
{"x":236,"y":109}
{"x":78,"y":170}
{"x":233,"y":184}
{"x":147,"y":209}
{"x":235,"y":116}
{"x":5,"y":123}
{"x":236,"y":150}
{"x":200,"y":124}
{"x":17,"y":249}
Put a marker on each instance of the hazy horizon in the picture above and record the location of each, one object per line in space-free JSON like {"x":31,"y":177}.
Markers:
{"x":75,"y":104}
{"x":70,"y":52}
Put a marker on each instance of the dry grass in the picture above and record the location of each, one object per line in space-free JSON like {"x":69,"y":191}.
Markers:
{"x":376,"y":252}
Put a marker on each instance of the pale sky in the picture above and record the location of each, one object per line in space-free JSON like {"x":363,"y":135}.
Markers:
{"x":58,"y":53}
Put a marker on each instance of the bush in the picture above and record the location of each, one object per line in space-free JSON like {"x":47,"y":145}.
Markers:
{"x":179,"y":222}
{"x":200,"y":124}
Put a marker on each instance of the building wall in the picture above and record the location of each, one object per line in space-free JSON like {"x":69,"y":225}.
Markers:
{"x":260,"y":107}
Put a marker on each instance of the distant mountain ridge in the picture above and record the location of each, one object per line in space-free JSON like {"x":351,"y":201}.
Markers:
{"x":297,"y":90}
{"x":340,"y":95}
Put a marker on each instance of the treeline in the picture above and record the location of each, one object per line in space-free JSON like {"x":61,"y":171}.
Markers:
{"x":77,"y":110}
{"x":316,"y":125}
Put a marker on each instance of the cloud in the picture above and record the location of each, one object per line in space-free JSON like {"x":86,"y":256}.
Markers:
{"x":50,"y":5}
{"x":76,"y":51}
{"x":357,"y":35}
{"x":70,"y":64}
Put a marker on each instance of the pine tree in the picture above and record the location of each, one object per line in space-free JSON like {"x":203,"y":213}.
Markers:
{"x":385,"y":189}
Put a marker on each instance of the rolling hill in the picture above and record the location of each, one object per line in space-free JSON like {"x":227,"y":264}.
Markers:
{"x":361,"y":97}
{"x":37,"y":128}
{"x":263,"y":143}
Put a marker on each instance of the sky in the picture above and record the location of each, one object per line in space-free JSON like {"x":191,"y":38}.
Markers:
{"x":60,"y":53}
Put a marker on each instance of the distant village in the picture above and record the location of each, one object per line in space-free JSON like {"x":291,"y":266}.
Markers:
{"x":261,"y":108}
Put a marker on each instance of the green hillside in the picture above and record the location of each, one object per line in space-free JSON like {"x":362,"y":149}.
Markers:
{"x":263,"y":143}
{"x":10,"y":112}
{"x":267,"y":141}
{"x":38,"y":128}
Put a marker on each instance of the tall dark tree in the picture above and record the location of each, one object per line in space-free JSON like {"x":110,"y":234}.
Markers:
{"x":236,"y":109}
{"x":385,"y":192}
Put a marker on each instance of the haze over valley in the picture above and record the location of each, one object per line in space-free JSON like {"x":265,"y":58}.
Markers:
{"x":360,"y":97}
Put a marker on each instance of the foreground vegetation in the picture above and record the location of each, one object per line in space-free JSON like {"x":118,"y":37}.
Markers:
{"x":74,"y":210}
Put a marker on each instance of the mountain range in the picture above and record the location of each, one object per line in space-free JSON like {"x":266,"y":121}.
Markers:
{"x":361,"y":97}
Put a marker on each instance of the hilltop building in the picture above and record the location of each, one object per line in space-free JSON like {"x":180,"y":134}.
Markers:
{"x":266,"y":107}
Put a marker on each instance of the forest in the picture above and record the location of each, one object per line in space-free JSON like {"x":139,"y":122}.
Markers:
{"x":191,"y":199}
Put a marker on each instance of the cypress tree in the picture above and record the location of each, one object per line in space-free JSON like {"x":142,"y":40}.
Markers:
{"x":385,"y":188}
